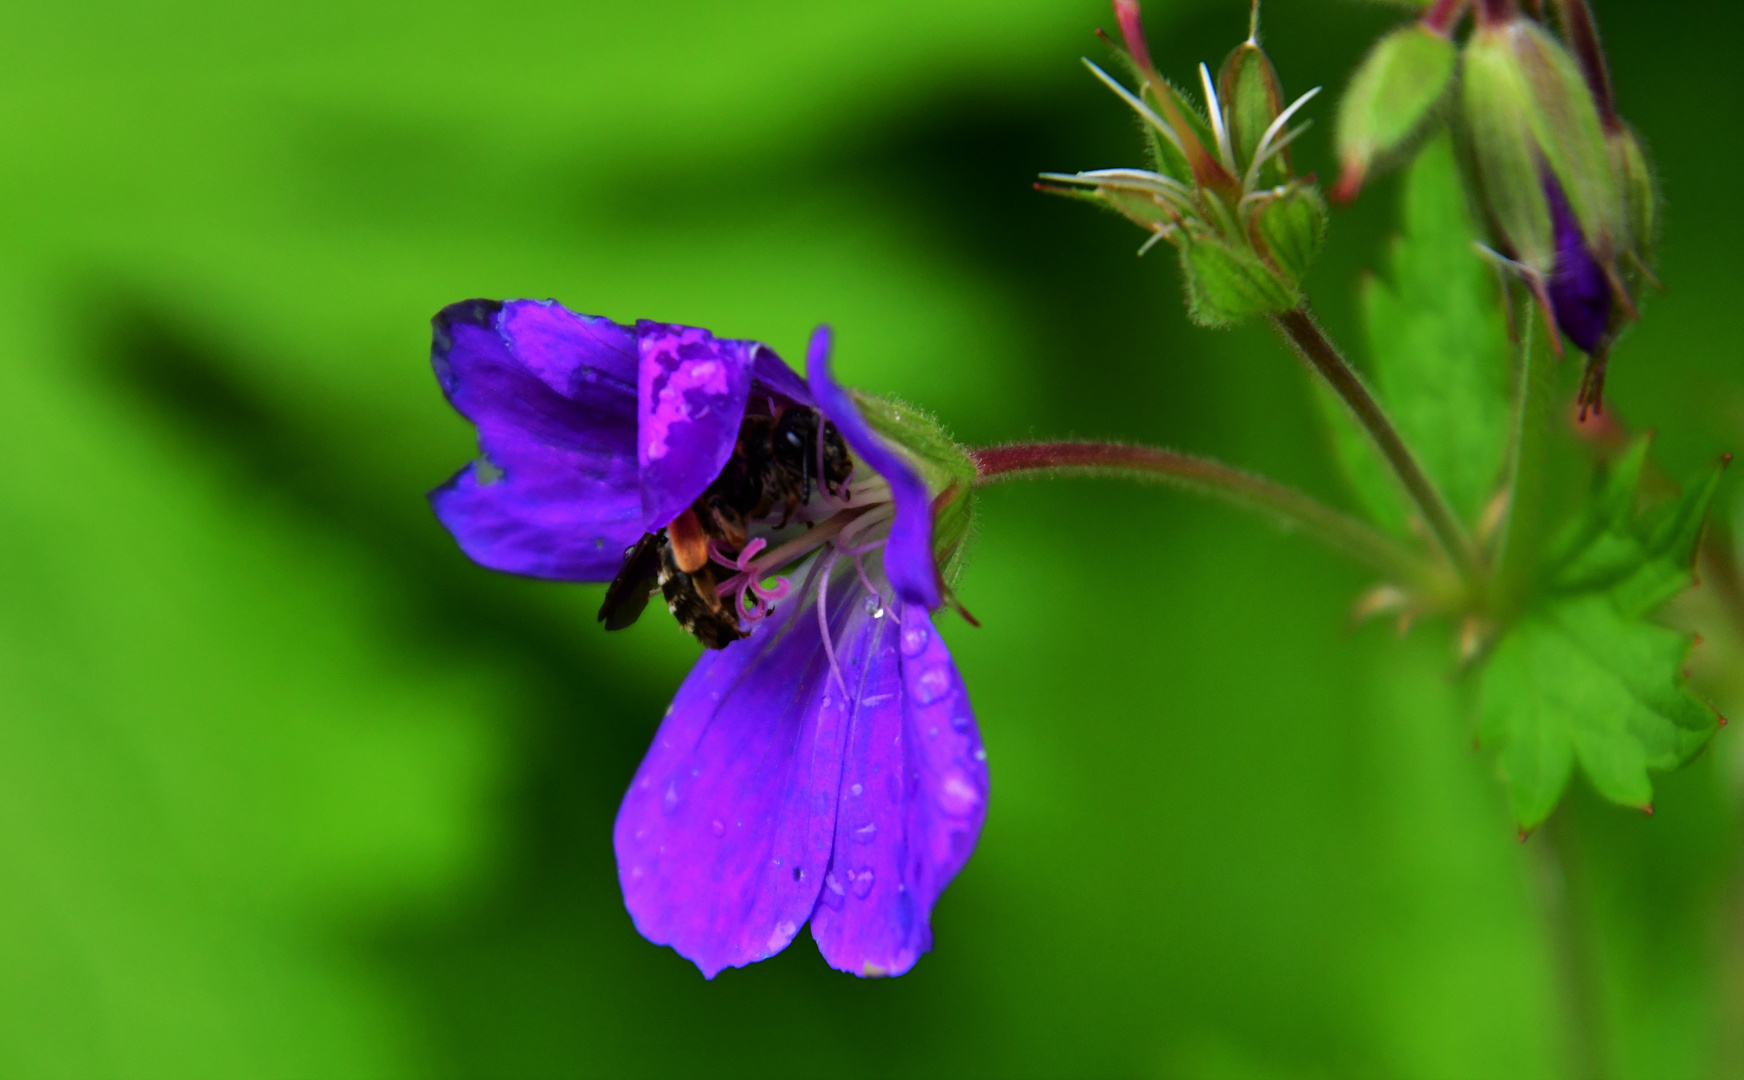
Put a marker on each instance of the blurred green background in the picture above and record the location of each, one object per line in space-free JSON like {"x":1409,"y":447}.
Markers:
{"x":288,"y":788}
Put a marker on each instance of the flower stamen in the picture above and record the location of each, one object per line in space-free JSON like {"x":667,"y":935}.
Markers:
{"x":823,"y":589}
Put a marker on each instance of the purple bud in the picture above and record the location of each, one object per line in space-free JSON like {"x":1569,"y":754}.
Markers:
{"x":1580,"y":294}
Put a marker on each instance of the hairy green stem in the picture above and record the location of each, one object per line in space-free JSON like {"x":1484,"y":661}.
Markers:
{"x":1523,"y":538}
{"x":1312,"y":346}
{"x":1287,"y":506}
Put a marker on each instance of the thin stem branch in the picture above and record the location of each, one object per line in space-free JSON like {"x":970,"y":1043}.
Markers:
{"x":1443,"y":15}
{"x":1287,"y":506}
{"x":1312,"y":346}
{"x":1523,"y":538}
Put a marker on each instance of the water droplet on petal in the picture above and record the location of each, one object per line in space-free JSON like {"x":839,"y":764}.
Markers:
{"x":865,"y":833}
{"x":932,"y":684}
{"x":960,"y":721}
{"x":671,"y":797}
{"x":782,"y":935}
{"x":873,"y":606}
{"x":856,"y":790}
{"x":914,"y":639}
{"x":957,"y":795}
{"x":717,"y":827}
{"x":833,"y":892}
{"x":980,"y":754}
{"x":861,"y":882}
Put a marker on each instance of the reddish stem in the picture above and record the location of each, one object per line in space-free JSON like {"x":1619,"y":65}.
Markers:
{"x":1444,"y":16}
{"x":1497,"y":12}
{"x":1355,"y":538}
{"x":1316,"y":351}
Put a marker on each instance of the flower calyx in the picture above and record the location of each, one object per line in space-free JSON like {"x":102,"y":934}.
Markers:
{"x":1220,"y":186}
{"x":1393,"y":94}
{"x":1565,"y":183}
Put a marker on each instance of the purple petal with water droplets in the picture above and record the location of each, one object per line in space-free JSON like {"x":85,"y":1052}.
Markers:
{"x":725,"y":835}
{"x":1580,"y":294}
{"x":913,"y":797}
{"x":908,"y":554}
{"x":691,"y":389}
{"x":553,"y":396}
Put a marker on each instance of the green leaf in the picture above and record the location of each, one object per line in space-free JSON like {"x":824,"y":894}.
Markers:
{"x":1584,"y":676}
{"x":1440,"y":338}
{"x":1582,"y":681}
{"x":1441,"y":357}
{"x":1640,"y":560}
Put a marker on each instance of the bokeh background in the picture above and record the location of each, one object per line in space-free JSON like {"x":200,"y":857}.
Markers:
{"x":288,"y":788}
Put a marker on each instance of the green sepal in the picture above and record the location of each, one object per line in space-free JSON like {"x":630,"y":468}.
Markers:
{"x":1227,"y":284}
{"x":944,"y":465}
{"x":1498,"y":105}
{"x":1197,"y":125}
{"x":1136,"y":207}
{"x":1290,"y":227}
{"x":1581,"y":681}
{"x":1640,"y":202}
{"x":1252,"y":98}
{"x":1565,"y":123}
{"x":1391,"y":96}
{"x":1166,"y":158}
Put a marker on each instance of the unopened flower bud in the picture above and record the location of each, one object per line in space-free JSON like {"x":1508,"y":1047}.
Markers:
{"x":1221,"y":190}
{"x":1252,"y":98}
{"x":1291,"y":227}
{"x":1228,"y":283}
{"x":1530,"y":112}
{"x":1640,"y":193}
{"x":1389,"y":99}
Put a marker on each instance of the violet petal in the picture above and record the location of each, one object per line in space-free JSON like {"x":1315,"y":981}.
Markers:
{"x":1580,"y":294}
{"x":908,"y":554}
{"x":553,"y":396}
{"x":913,"y":797}
{"x":769,"y":371}
{"x":725,"y":834}
{"x":691,"y":389}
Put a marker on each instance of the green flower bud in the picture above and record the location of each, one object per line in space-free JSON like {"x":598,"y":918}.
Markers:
{"x":1227,"y":283}
{"x":1221,"y":189}
{"x":1529,"y":109}
{"x":1640,"y":192}
{"x":1566,"y":124}
{"x":1497,"y":106}
{"x":1290,"y":227}
{"x":1252,"y":98}
{"x":1389,"y":99}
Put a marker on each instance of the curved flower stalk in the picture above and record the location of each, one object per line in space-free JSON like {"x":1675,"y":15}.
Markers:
{"x":1220,"y":188}
{"x":824,"y":765}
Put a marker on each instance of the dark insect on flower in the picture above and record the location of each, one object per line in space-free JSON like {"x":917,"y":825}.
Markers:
{"x":781,"y":452}
{"x":821,"y":762}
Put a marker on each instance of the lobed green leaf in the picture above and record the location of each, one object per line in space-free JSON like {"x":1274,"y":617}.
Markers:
{"x":1583,"y":681}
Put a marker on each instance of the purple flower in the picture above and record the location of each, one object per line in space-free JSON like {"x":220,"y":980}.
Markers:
{"x":1580,"y":293}
{"x":826,"y":767}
